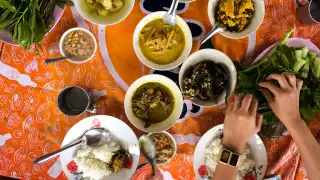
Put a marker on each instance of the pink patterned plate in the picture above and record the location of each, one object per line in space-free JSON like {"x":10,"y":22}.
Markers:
{"x":291,"y":42}
{"x":256,"y":147}
{"x":121,"y":130}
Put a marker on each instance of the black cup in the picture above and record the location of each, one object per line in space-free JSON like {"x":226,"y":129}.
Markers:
{"x":309,"y":14}
{"x":74,"y":101}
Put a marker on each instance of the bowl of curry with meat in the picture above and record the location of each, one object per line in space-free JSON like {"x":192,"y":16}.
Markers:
{"x":159,"y":45}
{"x":153,"y":103}
{"x":240,"y":17}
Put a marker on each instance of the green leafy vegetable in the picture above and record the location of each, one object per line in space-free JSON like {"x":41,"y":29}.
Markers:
{"x":283,"y":59}
{"x":28,"y":20}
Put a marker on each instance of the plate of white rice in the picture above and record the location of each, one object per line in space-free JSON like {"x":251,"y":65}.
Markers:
{"x":252,"y":162}
{"x":95,"y":163}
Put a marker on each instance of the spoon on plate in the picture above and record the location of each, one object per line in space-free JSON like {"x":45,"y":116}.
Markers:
{"x":171,"y":16}
{"x":149,"y":151}
{"x":90,"y":137}
{"x":226,"y":84}
{"x":52,"y":60}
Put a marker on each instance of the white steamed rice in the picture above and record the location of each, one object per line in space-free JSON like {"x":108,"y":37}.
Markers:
{"x":246,"y":161}
{"x":93,"y":161}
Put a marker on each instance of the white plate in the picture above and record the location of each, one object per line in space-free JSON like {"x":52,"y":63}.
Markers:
{"x":291,"y":42}
{"x":187,"y":36}
{"x":255,"y":144}
{"x":253,"y":25}
{"x":121,"y":130}
{"x":216,"y":57}
{"x":176,"y":112}
{"x":7,"y":36}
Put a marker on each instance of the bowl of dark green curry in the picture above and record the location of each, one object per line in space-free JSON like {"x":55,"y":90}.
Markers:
{"x":153,"y":103}
{"x":207,"y":77}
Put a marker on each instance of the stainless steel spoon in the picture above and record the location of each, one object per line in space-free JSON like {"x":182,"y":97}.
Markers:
{"x":217,"y":28}
{"x":148,"y":150}
{"x":52,"y":60}
{"x":91,"y":137}
{"x":171,"y":16}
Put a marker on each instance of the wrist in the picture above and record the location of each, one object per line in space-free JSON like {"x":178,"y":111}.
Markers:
{"x":293,"y":121}
{"x":235,"y":146}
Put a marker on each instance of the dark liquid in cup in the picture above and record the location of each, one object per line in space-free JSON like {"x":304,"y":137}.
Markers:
{"x":76,"y":99}
{"x":315,"y":10}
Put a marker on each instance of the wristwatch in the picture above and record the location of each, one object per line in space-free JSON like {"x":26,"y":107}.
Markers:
{"x":228,"y":157}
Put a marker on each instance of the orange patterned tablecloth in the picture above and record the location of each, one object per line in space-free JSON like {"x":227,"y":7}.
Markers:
{"x":29,"y":87}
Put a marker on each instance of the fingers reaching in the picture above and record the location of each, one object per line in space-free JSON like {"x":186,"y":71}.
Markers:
{"x":280,"y":78}
{"x":259,"y":122}
{"x":273,"y":88}
{"x":267,"y":94}
{"x":246,"y":102}
{"x":253,"y":107}
{"x":237,"y":103}
{"x":291,"y":79}
{"x":299,"y":84}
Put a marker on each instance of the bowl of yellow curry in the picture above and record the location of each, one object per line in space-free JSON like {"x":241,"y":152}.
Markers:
{"x":159,"y":45}
{"x":240,"y":17}
{"x":104,"y":12}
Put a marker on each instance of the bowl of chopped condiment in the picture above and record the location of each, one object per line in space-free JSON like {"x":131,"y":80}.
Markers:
{"x":159,"y":45}
{"x":79,"y":43}
{"x":153,"y":103}
{"x":240,"y":17}
{"x":104,"y":12}
{"x":206,"y":76}
{"x":166,"y":147}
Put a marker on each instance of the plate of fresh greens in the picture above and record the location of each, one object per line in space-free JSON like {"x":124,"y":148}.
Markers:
{"x":26,"y":22}
{"x":291,"y":55}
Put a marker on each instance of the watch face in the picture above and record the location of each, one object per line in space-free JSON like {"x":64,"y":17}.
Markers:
{"x":225,"y":156}
{"x":234,"y":159}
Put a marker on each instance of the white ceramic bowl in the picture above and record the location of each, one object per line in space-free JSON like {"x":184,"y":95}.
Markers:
{"x":77,"y":29}
{"x":174,"y":145}
{"x":187,"y":35}
{"x":110,"y":19}
{"x":255,"y":144}
{"x":167,"y":123}
{"x":216,"y":57}
{"x":254,"y":24}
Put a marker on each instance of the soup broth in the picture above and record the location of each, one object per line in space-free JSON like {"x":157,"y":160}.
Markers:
{"x":152,"y":103}
{"x":161,"y":43}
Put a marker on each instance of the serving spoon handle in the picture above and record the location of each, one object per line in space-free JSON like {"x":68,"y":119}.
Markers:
{"x":170,"y":17}
{"x":215,"y":30}
{"x":52,"y":60}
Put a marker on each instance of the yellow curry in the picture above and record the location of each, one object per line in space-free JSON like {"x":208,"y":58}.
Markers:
{"x":161,"y":43}
{"x":235,"y":14}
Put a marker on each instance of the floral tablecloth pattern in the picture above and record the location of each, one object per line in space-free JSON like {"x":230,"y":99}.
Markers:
{"x":32,"y":125}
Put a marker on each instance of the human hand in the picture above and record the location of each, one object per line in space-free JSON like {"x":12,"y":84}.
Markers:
{"x":157,"y":176}
{"x":283,"y":100}
{"x":241,"y":122}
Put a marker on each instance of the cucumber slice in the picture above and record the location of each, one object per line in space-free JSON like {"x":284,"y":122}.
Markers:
{"x":298,"y":54}
{"x":298,"y":64}
{"x":304,"y":53}
{"x":305,"y":69}
{"x":316,"y":67}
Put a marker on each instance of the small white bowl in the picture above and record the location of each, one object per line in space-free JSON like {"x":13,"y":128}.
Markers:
{"x":216,"y":57}
{"x":77,"y":29}
{"x":254,"y":24}
{"x":187,"y":36}
{"x":108,"y":20}
{"x":176,"y":112}
{"x":174,"y":145}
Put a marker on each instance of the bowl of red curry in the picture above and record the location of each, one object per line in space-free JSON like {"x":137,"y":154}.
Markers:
{"x":166,"y":147}
{"x":79,"y":43}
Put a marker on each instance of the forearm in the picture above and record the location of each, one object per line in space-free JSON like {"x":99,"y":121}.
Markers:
{"x":224,"y":172}
{"x":308,"y":147}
